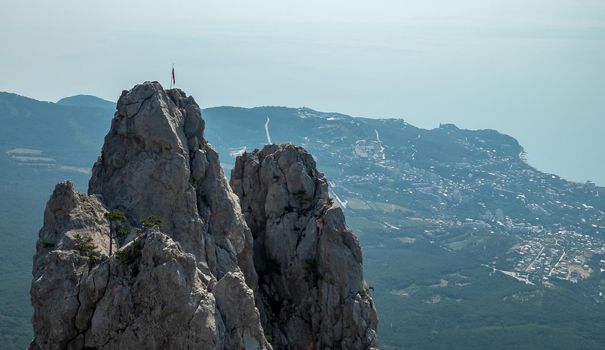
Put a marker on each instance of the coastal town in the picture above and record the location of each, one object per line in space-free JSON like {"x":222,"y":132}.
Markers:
{"x":564,"y":255}
{"x":555,"y":227}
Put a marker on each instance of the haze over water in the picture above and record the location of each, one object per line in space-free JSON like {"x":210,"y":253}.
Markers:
{"x":531,"y":69}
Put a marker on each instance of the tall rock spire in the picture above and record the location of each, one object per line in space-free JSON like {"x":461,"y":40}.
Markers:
{"x":155,"y":160}
{"x":175,"y":285}
{"x":312,"y":292}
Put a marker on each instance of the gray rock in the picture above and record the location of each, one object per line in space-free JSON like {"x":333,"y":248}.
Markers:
{"x":191,"y":282}
{"x":239,"y":307}
{"x":311,"y":288}
{"x":155,"y":161}
{"x":152,"y":296}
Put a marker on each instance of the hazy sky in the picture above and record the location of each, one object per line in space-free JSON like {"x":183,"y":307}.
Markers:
{"x":534,"y":69}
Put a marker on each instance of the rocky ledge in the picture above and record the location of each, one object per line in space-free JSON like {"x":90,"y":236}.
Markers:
{"x":160,"y":255}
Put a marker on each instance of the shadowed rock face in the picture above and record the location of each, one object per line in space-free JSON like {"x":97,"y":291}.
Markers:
{"x":311,"y":288}
{"x":191,"y":282}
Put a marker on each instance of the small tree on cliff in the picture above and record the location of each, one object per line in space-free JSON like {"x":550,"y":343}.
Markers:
{"x":148,"y":223}
{"x":116,"y":227}
{"x":85,"y":246}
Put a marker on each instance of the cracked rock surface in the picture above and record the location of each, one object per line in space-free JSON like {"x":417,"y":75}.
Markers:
{"x":191,"y":279}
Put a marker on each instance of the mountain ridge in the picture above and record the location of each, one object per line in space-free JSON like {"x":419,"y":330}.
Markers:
{"x":91,"y":101}
{"x":85,"y":100}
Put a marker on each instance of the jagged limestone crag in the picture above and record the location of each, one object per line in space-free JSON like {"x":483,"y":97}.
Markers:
{"x":164,"y":294}
{"x":189,"y":282}
{"x":311,"y":288}
{"x":155,"y":160}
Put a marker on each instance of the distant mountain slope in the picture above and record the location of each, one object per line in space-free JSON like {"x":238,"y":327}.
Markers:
{"x":50,"y":126}
{"x":459,"y":170}
{"x":472,"y":170}
{"x":86,"y":101}
{"x":466,"y":245}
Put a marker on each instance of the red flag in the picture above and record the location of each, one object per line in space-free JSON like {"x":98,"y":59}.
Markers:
{"x":173,"y":78}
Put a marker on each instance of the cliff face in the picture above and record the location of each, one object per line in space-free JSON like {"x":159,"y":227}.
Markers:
{"x":311,"y":286}
{"x":182,"y":272}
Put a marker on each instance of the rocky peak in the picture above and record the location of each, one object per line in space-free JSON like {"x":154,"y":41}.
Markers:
{"x":159,"y":289}
{"x":182,"y":273}
{"x":155,"y":161}
{"x":311,"y":286}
